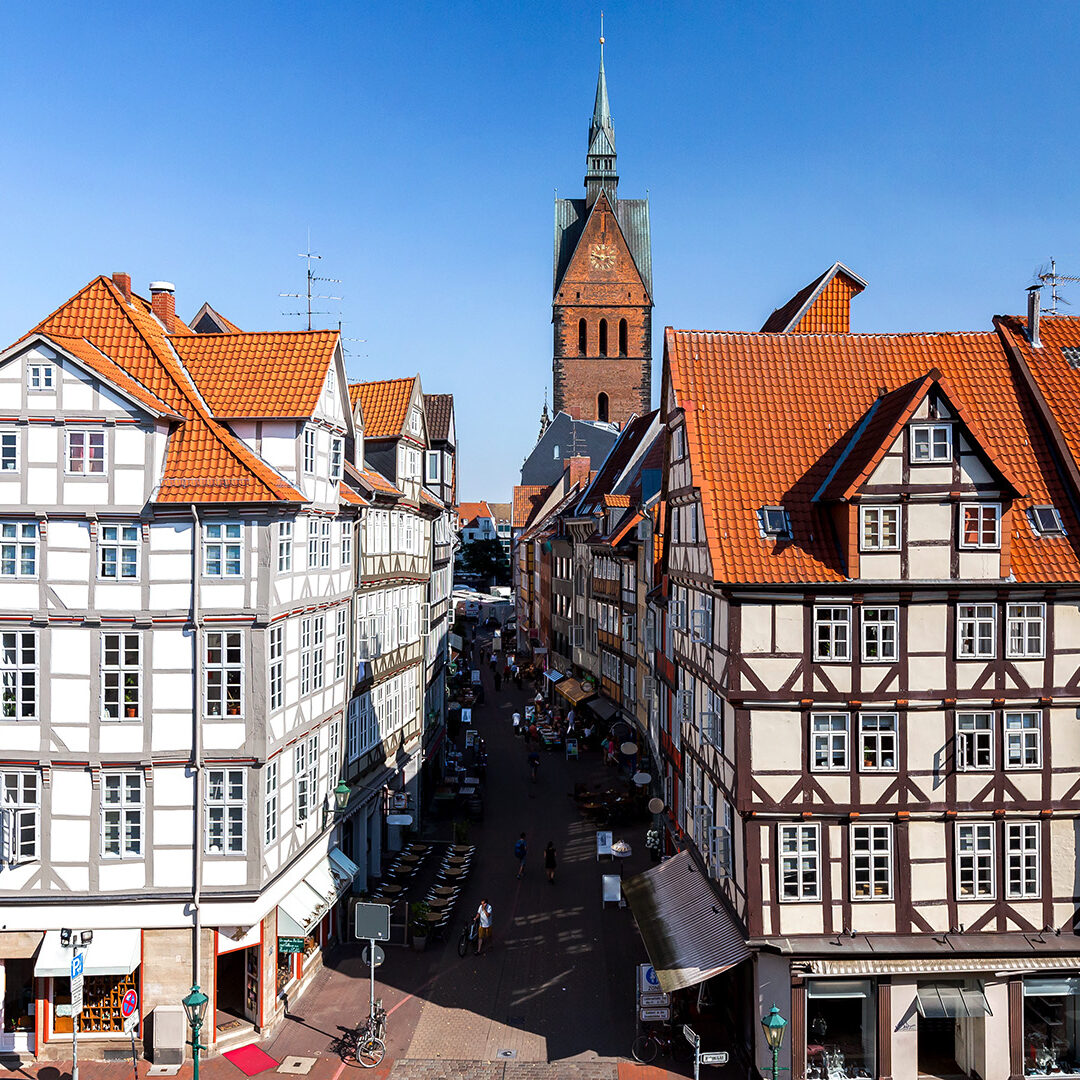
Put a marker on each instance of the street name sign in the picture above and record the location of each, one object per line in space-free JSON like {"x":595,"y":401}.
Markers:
{"x":692,"y":1037}
{"x":715,"y":1057}
{"x":372,"y":921}
{"x":655,"y":1014}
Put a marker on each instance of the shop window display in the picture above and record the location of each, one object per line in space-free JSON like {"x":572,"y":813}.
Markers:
{"x":841,"y":1019}
{"x":1051,"y":1008}
{"x":102,"y":998}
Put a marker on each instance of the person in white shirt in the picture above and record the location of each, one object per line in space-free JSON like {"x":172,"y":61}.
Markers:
{"x":483,"y":916}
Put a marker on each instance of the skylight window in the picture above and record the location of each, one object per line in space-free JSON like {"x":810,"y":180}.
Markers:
{"x":774,"y":522}
{"x":1072,"y":355}
{"x":1046,"y":521}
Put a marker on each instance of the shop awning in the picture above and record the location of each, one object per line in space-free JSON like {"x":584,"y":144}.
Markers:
{"x":455,"y":642}
{"x":688,"y":933}
{"x":323,"y":886}
{"x":914,"y":965}
{"x":112,"y":952}
{"x":553,"y":675}
{"x":19,"y":943}
{"x":603,"y":709}
{"x":573,"y":691}
{"x":938,"y":1000}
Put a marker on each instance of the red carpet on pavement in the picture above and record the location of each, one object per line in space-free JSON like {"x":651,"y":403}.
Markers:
{"x":251,"y":1060}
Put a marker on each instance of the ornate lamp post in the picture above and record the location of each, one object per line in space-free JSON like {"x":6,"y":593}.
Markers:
{"x":195,"y":1008}
{"x":773,"y":1026}
{"x":341,"y":800}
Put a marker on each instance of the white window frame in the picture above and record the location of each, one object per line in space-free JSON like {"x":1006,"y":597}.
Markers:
{"x":19,"y":549}
{"x":973,"y":621}
{"x":1025,"y":630}
{"x":879,"y":739}
{"x":337,"y":456}
{"x":20,"y":816}
{"x":433,"y":459}
{"x":324,"y":543}
{"x":975,"y":741}
{"x":975,"y":844}
{"x":225,"y":812}
{"x":89,"y":462}
{"x":934,"y":454}
{"x":276,"y":655}
{"x":307,"y":777}
{"x":830,"y":739}
{"x":223,"y":549}
{"x":1023,"y":739}
{"x":346,"y":544}
{"x":9,"y":451}
{"x":271,"y":781}
{"x":981,"y":509}
{"x":19,"y":675}
{"x":309,"y":455}
{"x":341,"y":641}
{"x":1046,"y":520}
{"x":118,"y":551}
{"x":1023,"y":860}
{"x":830,"y":644}
{"x":774,"y":522}
{"x":41,"y":377}
{"x":121,"y":676}
{"x":875,"y":525}
{"x":284,"y":546}
{"x":873,"y":624}
{"x":803,"y":861}
{"x":122,"y":824}
{"x":224,"y":673}
{"x":871,"y":850}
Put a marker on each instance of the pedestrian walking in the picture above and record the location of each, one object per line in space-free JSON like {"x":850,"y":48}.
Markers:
{"x":517,"y":676}
{"x":484,"y":917}
{"x":534,"y":764}
{"x":549,"y":862}
{"x":521,"y":849}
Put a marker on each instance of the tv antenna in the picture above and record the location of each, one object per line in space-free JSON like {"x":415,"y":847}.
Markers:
{"x":309,"y":296}
{"x":1052,"y":278}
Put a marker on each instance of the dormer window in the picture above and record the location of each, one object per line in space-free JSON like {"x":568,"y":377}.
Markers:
{"x":774,"y":522}
{"x":931,"y":442}
{"x":40,"y":377}
{"x":415,"y":425}
{"x":980,"y":525}
{"x":1046,"y":521}
{"x":879,"y":528}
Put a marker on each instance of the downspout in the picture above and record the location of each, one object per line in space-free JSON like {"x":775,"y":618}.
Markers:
{"x":196,"y":747}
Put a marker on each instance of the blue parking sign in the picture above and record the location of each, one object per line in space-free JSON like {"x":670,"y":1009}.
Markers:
{"x":76,"y":966}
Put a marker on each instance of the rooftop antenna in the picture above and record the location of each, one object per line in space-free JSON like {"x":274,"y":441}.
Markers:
{"x":309,"y":295}
{"x":1052,"y":278}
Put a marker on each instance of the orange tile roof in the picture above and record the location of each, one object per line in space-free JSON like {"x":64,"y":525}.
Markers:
{"x":427,"y":497}
{"x":769,"y":415}
{"x":385,"y":405}
{"x":377,"y":482}
{"x":259,"y":375}
{"x":204,"y":461}
{"x":616,"y":500}
{"x":527,"y":498}
{"x":468,"y":511}
{"x":352,"y":498}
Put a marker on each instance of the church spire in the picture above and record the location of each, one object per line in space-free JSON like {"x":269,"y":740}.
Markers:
{"x":600,"y":168}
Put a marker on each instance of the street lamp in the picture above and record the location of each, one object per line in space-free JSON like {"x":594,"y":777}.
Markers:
{"x":773,"y":1026}
{"x":195,"y":1008}
{"x":341,"y":800}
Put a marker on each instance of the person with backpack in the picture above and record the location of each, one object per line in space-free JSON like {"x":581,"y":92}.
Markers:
{"x":521,"y":849}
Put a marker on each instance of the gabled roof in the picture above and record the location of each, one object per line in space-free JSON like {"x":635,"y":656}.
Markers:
{"x":468,"y":512}
{"x":612,"y":478}
{"x":500,"y":511}
{"x":879,"y":428}
{"x":527,"y":497}
{"x":204,"y":461}
{"x":385,"y":405}
{"x":272,"y":375}
{"x":769,"y":415}
{"x":351,"y":497}
{"x":209,"y":321}
{"x":633,"y":218}
{"x":440,"y":413}
{"x":801,"y":313}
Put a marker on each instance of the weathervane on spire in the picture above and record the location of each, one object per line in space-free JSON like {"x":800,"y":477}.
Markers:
{"x":601,"y":31}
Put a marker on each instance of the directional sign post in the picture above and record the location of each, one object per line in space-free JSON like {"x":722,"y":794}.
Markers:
{"x":372,"y":921}
{"x":129,"y":1010}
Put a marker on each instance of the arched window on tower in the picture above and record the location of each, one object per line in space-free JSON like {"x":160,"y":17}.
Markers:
{"x":582,"y":337}
{"x":603,"y":338}
{"x":602,"y":407}
{"x":622,"y":337}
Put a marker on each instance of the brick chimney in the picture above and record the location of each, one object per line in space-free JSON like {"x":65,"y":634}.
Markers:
{"x":123,"y":283}
{"x":579,"y":471}
{"x":163,"y":302}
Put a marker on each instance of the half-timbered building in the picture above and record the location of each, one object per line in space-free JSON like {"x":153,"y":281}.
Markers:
{"x":872,"y":659}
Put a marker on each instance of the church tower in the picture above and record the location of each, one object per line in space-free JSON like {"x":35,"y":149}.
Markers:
{"x":602,"y":306}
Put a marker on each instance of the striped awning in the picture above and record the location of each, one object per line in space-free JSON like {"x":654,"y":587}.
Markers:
{"x":688,"y":933}
{"x":939,"y":965}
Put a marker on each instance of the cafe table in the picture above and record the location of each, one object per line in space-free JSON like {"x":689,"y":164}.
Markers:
{"x":391,"y":890}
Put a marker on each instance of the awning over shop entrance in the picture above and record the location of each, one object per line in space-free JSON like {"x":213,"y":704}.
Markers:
{"x":19,"y":943}
{"x":112,"y":952}
{"x":938,"y":1000}
{"x":573,"y":691}
{"x":688,"y":934}
{"x":327,"y":882}
{"x":602,"y":708}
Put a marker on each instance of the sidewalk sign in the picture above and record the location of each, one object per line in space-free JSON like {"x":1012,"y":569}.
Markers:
{"x":571,"y":746}
{"x":290,"y":944}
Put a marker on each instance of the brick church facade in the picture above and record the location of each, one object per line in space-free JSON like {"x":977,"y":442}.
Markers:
{"x":602,"y":304}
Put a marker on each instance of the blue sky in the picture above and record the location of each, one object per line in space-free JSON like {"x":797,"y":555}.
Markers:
{"x":930,"y":147}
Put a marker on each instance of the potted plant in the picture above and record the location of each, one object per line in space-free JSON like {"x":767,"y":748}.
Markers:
{"x":419,"y":925}
{"x":652,"y":844}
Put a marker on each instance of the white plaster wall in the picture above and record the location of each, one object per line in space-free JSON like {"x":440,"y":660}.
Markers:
{"x":884,"y":566}
{"x":776,"y":740}
{"x":756,"y":631}
{"x":905,"y":1029}
{"x":929,"y":521}
{"x":930,"y":563}
{"x":789,"y":628}
{"x":121,"y":875}
{"x":975,"y":565}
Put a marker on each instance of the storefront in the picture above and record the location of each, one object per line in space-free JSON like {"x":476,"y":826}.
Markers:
{"x":236,"y":982}
{"x":1051,"y":1013}
{"x":17,"y":1004}
{"x":841,"y":1028}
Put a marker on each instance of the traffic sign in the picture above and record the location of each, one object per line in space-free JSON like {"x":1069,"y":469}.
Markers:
{"x":129,"y":1004}
{"x":655,"y":1014}
{"x":715,"y":1057}
{"x":380,"y":956}
{"x":131,"y":1022}
{"x":655,"y":999}
{"x":372,"y":921}
{"x":692,"y":1037}
{"x":76,"y":966}
{"x":76,"y":996}
{"x":648,"y":980}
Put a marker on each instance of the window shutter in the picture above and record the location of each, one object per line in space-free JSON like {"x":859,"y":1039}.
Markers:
{"x":686,"y":705}
{"x":7,"y":839}
{"x":577,"y":636}
{"x":648,"y":689}
{"x":720,"y":853}
{"x":710,"y":723}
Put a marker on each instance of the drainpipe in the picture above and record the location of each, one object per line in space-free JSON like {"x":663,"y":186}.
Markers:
{"x":196,"y":747}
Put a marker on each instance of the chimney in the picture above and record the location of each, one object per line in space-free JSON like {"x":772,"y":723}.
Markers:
{"x":579,"y":471}
{"x":163,"y":302}
{"x":123,"y":283}
{"x":1033,"y":316}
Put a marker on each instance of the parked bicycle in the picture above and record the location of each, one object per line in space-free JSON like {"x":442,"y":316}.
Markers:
{"x":649,"y":1043}
{"x":365,"y":1045}
{"x":469,"y":933}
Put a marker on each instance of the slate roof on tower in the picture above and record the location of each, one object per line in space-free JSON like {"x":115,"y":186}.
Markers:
{"x":633,"y":218}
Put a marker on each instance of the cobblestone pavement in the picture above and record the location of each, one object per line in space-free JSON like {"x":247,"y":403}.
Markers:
{"x":557,"y":988}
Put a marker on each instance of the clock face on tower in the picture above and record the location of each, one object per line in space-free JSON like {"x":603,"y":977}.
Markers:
{"x":602,"y":256}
